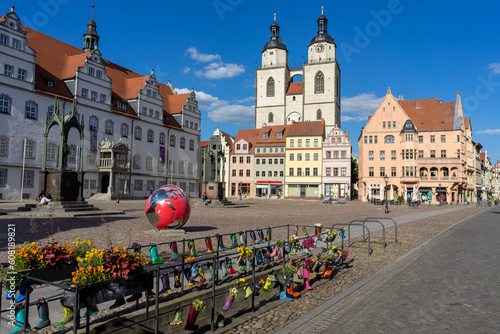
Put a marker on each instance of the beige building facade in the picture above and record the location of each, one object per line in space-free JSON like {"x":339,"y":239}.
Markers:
{"x":337,"y":164}
{"x":420,"y":145}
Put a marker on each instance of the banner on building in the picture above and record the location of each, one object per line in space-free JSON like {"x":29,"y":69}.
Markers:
{"x":162,"y":154}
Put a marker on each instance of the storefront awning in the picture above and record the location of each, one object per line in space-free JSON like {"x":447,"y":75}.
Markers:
{"x":268,"y":182}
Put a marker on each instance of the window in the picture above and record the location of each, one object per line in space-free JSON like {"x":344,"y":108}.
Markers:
{"x":138,"y":185}
{"x":371,"y":139}
{"x":389,"y":124}
{"x":366,"y":139}
{"x":263,"y":161}
{"x":370,"y":155}
{"x":371,"y":171}
{"x":383,"y":125}
{"x":328,"y":154}
{"x":307,"y":171}
{"x":458,"y":138}
{"x":144,"y":110}
{"x":290,"y":171}
{"x":257,"y":173}
{"x":420,"y":154}
{"x":233,"y":172}
{"x":29,"y":179}
{"x":291,"y":142}
{"x":335,"y":154}
{"x":93,"y":96}
{"x":124,"y":130}
{"x":318,"y":115}
{"x":98,"y":74}
{"x":137,"y":161}
{"x":91,"y":71}
{"x":393,"y":155}
{"x":151,"y":113}
{"x":382,"y":171}
{"x":279,"y":134}
{"x":335,"y":171}
{"x":282,"y":161}
{"x":248,"y":172}
{"x":191,"y":145}
{"x":21,"y":74}
{"x":138,"y":133}
{"x":102,"y":98}
{"x":443,"y":138}
{"x":8,"y":70}
{"x":245,"y":146}
{"x":316,"y":142}
{"x":157,"y":114}
{"x":382,"y":155}
{"x":265,"y":135}
{"x":281,"y":173}
{"x":238,"y":146}
{"x":248,"y":160}
{"x":148,"y":92}
{"x":93,"y":184}
{"x":443,"y":153}
{"x":181,"y":167}
{"x":343,"y":154}
{"x":299,"y":156}
{"x":376,"y":139}
{"x":4,"y":40}
{"x":316,"y":157}
{"x":458,"y":153}
{"x":299,"y":171}
{"x":291,"y":157}
{"x":109,"y":127}
{"x":328,"y":171}
{"x":151,"y":136}
{"x":72,"y":154}
{"x":389,"y":139}
{"x":183,"y":142}
{"x":433,"y":139}
{"x":5,"y":104}
{"x":393,"y":171}
{"x":307,"y":157}
{"x":50,"y":111}
{"x":343,"y":171}
{"x":299,"y":142}
{"x":241,"y":160}
{"x":270,"y":87}
{"x":162,"y":138}
{"x":394,"y":124}
{"x":269,"y":173}
{"x":30,"y":149}
{"x":433,"y":153}
{"x":319,"y":83}
{"x":420,"y":139}
{"x":4,"y":146}
{"x":270,"y":161}
{"x":31,"y":109}
{"x":172,"y":140}
{"x":308,"y":142}
{"x":240,"y":172}
{"x":85,"y":92}
{"x":270,"y":118}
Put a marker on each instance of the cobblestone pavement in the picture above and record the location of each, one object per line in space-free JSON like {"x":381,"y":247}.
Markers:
{"x":133,"y":227}
{"x":450,"y":284}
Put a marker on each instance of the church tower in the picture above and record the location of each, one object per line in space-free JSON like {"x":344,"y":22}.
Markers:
{"x":271,"y":81}
{"x":322,"y":78}
{"x":91,"y":38}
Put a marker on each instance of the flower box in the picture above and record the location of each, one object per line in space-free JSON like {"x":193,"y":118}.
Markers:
{"x":51,"y":274}
{"x":100,"y":292}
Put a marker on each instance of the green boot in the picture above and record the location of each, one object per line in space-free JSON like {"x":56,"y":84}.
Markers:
{"x":153,"y":250}
{"x":177,"y":318}
{"x":20,"y":312}
{"x":68,"y":315}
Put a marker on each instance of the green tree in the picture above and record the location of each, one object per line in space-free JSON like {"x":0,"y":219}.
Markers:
{"x":354,"y":171}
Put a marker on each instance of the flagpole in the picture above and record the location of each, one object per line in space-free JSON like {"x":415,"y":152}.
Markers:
{"x":22,"y":173}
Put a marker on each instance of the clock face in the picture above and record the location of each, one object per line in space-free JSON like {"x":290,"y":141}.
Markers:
{"x":320,"y":48}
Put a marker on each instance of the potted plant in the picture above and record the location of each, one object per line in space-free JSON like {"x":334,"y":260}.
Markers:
{"x":196,"y":307}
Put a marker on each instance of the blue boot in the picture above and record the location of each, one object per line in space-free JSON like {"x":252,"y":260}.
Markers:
{"x":283,"y":295}
{"x":20,"y":311}
{"x":22,"y":293}
{"x":223,"y":267}
{"x":153,"y":250}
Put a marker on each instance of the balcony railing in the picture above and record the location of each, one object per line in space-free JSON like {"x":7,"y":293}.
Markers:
{"x":112,"y":163}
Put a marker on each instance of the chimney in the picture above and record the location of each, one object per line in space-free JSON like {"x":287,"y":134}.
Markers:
{"x":369,"y":117}
{"x":400,"y":97}
{"x":418,"y":104}
{"x":347,"y":133}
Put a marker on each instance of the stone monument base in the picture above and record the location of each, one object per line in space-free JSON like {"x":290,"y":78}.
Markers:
{"x":214,"y":190}
{"x":62,"y":185}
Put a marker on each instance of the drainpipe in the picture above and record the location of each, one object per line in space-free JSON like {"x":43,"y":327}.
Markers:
{"x":131,"y":155}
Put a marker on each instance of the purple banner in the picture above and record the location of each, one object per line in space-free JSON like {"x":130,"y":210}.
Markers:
{"x":162,"y":154}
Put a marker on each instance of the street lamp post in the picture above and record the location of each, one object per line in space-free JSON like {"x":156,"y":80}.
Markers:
{"x":118,"y":188}
{"x":386,"y":179}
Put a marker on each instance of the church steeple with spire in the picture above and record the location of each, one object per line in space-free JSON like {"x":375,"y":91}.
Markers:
{"x":91,"y":38}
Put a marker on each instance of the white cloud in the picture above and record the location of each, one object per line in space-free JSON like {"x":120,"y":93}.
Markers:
{"x":223,"y":110}
{"x":220,"y":71}
{"x":186,"y":69}
{"x":488,"y":132}
{"x":202,"y":57}
{"x":494,"y":68}
{"x":246,"y":99}
{"x":359,"y":107}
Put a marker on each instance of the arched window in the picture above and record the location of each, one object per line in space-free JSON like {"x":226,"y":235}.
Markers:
{"x":5,"y":104}
{"x":389,"y":139}
{"x":183,"y":142}
{"x":137,"y":161}
{"x":270,"y":118}
{"x":172,"y":140}
{"x":138,"y":133}
{"x":191,"y":145}
{"x":52,"y":149}
{"x":151,"y":136}
{"x":319,"y":115}
{"x":270,"y":87}
{"x":319,"y":83}
{"x":109,"y":127}
{"x":124,"y":130}
{"x":162,"y":138}
{"x":149,"y":163}
{"x":31,"y":110}
{"x":93,"y":123}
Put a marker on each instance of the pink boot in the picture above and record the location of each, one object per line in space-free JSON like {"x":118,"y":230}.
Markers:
{"x":306,"y":279}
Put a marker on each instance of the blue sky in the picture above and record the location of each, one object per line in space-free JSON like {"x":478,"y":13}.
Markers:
{"x":420,"y":48}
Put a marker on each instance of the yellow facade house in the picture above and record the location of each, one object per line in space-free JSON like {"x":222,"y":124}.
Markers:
{"x":304,"y":160}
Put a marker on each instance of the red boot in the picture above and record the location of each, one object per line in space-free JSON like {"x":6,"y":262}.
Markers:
{"x":190,"y":323}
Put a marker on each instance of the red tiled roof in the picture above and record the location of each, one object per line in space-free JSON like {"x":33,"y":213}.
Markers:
{"x":295,"y":88}
{"x":57,"y":61}
{"x":204,"y":143}
{"x":316,"y":128}
{"x":433,"y":114}
{"x":467,"y":122}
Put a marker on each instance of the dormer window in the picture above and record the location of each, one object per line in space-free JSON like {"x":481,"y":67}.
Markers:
{"x":98,"y":74}
{"x":265,"y":135}
{"x":279,"y":134}
{"x":91,"y":71}
{"x":154,"y":94}
{"x":148,"y":92}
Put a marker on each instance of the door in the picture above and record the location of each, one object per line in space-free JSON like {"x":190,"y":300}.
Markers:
{"x":104,"y":183}
{"x":303,"y":192}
